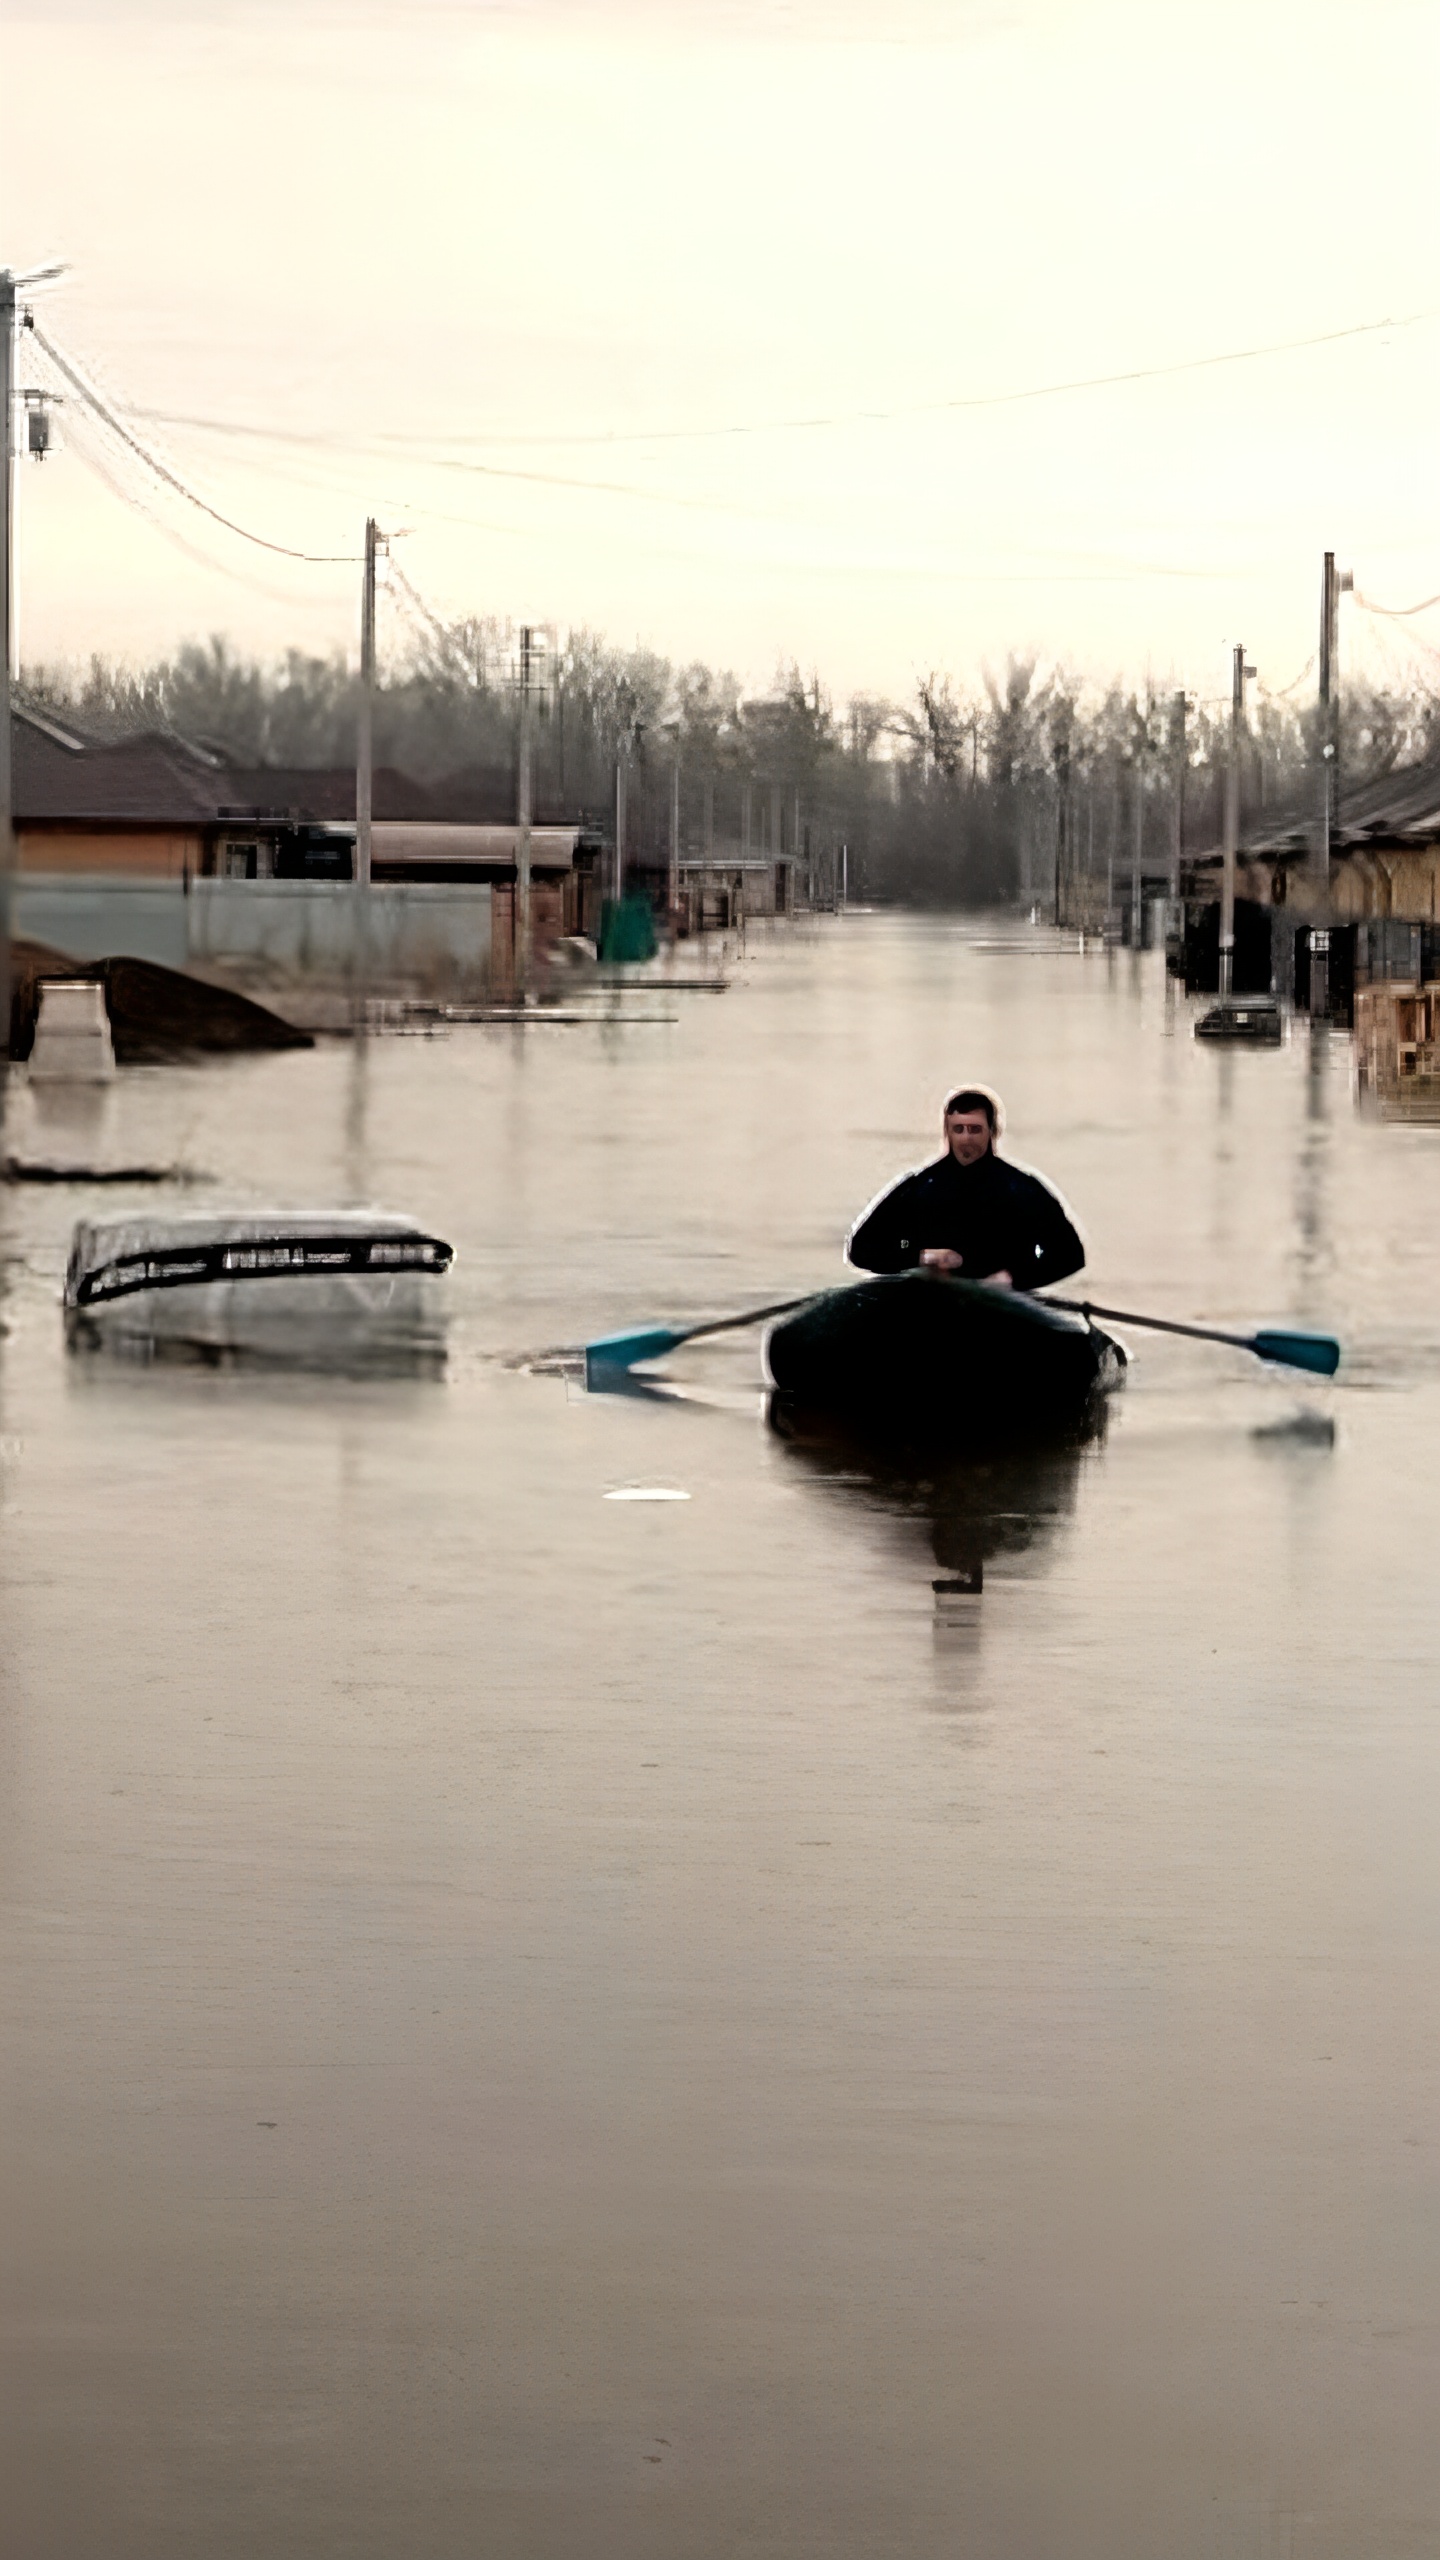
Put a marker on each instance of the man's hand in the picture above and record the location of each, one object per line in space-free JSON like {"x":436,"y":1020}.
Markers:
{"x":999,"y":1280}
{"x":938,"y":1257}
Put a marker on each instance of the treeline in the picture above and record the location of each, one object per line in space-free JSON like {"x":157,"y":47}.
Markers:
{"x":951,"y":799}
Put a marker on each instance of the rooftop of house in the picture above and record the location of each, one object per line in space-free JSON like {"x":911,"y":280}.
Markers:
{"x":1399,"y":809}
{"x":158,"y":779}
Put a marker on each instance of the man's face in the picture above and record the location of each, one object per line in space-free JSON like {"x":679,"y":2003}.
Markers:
{"x":968,"y":1135}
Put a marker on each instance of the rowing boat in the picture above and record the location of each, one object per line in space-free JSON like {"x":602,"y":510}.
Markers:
{"x":920,"y":1356}
{"x":331,"y":1281}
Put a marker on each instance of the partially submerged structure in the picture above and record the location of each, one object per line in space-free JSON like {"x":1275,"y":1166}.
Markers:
{"x":1371,"y":911}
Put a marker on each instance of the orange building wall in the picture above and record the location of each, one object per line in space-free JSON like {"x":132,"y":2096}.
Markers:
{"x":158,"y":853}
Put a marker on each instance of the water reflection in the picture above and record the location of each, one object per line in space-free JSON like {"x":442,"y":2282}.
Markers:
{"x":1005,"y":1507}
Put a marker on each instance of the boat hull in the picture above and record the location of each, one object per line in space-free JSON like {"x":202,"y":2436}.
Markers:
{"x":919,"y":1357}
{"x":332,"y":1285}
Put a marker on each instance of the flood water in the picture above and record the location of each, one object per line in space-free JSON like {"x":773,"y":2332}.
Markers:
{"x":640,"y":2030}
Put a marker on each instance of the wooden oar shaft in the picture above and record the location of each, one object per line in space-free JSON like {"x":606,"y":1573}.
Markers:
{"x":752,"y":1315}
{"x":1153,"y":1324}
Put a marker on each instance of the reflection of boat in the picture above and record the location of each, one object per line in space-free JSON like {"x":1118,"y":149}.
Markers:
{"x":335,"y":1283}
{"x":978,"y":1509}
{"x":917,"y":1357}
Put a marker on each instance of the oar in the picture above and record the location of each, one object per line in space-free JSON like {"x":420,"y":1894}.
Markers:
{"x":1317,"y":1351}
{"x":621,"y":1350}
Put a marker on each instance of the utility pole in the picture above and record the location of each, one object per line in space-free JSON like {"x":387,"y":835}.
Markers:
{"x":1238,"y":674}
{"x":1329,"y":636}
{"x":621,"y":779}
{"x":1179,"y":759}
{"x":1062,"y":827}
{"x":524,"y":941}
{"x":672,"y":890}
{"x":365,"y":771}
{"x":1333,"y":584}
{"x":1138,"y":853}
{"x":7,"y":493}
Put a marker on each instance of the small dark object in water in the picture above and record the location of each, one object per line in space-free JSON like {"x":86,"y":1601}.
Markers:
{"x":17,"y":1169}
{"x":1300,"y":1430}
{"x":918,"y":1357}
{"x":1254,"y":1018}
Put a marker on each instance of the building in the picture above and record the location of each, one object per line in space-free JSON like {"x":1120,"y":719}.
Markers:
{"x":165,"y":850}
{"x":1384,"y":880}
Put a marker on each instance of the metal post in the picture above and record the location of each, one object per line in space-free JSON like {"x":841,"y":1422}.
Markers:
{"x":844,"y":877}
{"x":1239,"y":672}
{"x":364,"y":772}
{"x":7,"y":491}
{"x":524,"y":940}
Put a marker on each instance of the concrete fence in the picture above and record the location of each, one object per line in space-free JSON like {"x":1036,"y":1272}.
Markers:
{"x":415,"y":932}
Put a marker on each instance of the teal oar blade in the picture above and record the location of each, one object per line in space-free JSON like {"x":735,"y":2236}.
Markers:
{"x":1317,"y":1351}
{"x":621,"y":1350}
{"x":614,"y":1351}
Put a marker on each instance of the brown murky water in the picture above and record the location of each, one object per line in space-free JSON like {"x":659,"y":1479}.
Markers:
{"x":546,"y":2026}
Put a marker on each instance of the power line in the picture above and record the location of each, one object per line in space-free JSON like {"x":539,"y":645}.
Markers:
{"x":865,"y":417}
{"x":1396,"y":612}
{"x":171,"y":479}
{"x":1277,"y":693}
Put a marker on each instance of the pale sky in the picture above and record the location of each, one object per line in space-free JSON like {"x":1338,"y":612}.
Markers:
{"x":440,"y":247}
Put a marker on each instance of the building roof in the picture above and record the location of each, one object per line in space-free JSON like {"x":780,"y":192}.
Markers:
{"x":1398,"y":809}
{"x":144,"y":781}
{"x":321,"y":792}
{"x":161,"y":780}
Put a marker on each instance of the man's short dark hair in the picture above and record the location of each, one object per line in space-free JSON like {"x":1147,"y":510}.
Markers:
{"x":974,"y":1097}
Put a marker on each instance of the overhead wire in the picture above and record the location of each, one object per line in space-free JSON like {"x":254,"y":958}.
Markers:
{"x":171,"y":479}
{"x":946,"y":406}
{"x":1277,"y":693}
{"x":1109,"y":567}
{"x":89,"y":444}
{"x":1396,"y":612}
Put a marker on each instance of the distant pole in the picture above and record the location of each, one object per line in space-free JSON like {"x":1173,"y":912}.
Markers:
{"x":844,"y":877}
{"x":1239,"y":672}
{"x":621,"y":779}
{"x":1325,"y":827}
{"x":1333,"y":584}
{"x":365,"y":768}
{"x":7,"y":495}
{"x":672,"y":892}
{"x":1179,"y":752}
{"x":1062,"y":829}
{"x":1112,"y":844}
{"x":524,"y":940}
{"x":1137,"y":854}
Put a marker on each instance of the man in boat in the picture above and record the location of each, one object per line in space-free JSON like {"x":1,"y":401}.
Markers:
{"x":970,"y":1214}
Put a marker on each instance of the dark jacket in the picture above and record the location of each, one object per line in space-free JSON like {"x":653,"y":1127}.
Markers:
{"x":990,"y":1213}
